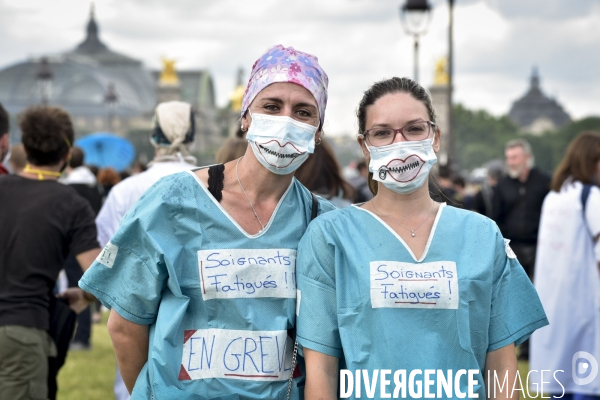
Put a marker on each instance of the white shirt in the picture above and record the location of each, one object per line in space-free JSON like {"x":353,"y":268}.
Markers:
{"x":123,"y":195}
{"x":568,"y":283}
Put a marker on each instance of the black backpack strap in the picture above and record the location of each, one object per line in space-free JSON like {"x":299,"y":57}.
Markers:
{"x":315,"y":207}
{"x":215,"y":181}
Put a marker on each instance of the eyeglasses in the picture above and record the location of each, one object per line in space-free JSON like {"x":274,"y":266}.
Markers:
{"x":412,"y":132}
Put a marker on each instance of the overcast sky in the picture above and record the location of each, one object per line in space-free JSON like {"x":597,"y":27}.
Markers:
{"x":497,"y":42}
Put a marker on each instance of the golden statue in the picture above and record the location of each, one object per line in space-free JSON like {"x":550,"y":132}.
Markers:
{"x":440,"y":77}
{"x":237,"y":96}
{"x":168,"y":75}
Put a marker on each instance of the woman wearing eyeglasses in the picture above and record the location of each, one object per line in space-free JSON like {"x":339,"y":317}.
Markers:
{"x":402,"y":282}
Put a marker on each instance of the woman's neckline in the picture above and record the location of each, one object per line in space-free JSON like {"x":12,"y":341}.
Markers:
{"x":399,"y":238}
{"x":226,"y":214}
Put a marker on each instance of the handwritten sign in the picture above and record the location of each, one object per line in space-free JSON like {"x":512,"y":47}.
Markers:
{"x":247,"y":273}
{"x":406,"y":285}
{"x":108,"y":255}
{"x":236,"y":354}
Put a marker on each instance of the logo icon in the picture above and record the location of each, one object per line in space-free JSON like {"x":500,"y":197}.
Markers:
{"x":581,"y":363}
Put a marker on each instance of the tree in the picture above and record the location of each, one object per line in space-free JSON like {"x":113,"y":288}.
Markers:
{"x":479,"y":136}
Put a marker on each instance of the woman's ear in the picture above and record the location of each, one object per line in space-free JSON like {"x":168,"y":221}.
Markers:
{"x":246,"y":119}
{"x":364,"y":149}
{"x":437,"y":140}
{"x":319,"y":137}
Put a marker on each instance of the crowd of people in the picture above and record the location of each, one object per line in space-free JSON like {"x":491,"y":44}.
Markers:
{"x":261,"y":276}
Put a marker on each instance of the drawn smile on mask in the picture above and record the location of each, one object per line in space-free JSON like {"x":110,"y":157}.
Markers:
{"x":275,"y":154}
{"x":402,"y":170}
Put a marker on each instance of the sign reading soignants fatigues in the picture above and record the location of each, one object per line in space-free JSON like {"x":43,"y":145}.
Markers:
{"x":367,"y":298}
{"x":219,"y":302}
{"x":406,"y":285}
{"x":247,"y":273}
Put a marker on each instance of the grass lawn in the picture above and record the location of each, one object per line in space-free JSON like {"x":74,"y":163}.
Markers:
{"x":89,"y":375}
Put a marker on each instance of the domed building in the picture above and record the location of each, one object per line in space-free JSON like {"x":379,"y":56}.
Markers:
{"x":104,"y":90}
{"x":537,"y":113}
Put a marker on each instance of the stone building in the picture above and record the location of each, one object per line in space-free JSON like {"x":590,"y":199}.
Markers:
{"x":107,"y":91}
{"x":535,"y":112}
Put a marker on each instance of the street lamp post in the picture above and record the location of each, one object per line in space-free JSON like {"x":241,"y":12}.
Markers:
{"x":450,"y":134}
{"x":44,"y":80}
{"x":415,"y":16}
{"x":110,"y":99}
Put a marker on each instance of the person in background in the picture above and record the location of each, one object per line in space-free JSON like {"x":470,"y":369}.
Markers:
{"x":138,"y":167}
{"x":360,"y":184}
{"x":518,"y":199}
{"x":80,"y":178}
{"x":517,"y":207}
{"x":17,"y":159}
{"x":4,"y":139}
{"x":567,"y":274}
{"x":232,"y":149}
{"x":41,"y":222}
{"x":171,"y":136}
{"x":463,"y":196}
{"x":483,"y":200}
{"x":107,"y":178}
{"x":443,"y":188}
{"x":321,"y":175}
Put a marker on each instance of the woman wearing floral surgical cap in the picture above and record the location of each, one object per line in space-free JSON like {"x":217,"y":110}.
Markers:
{"x":201,"y":274}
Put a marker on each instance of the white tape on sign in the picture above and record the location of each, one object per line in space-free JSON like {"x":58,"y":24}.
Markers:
{"x":406,"y":285}
{"x":247,"y":273}
{"x":236,"y":354}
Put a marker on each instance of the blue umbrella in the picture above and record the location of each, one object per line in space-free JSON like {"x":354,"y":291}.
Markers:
{"x":104,"y":149}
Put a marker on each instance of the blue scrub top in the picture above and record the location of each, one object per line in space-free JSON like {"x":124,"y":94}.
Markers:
{"x":219,"y":301}
{"x":364,"y":297}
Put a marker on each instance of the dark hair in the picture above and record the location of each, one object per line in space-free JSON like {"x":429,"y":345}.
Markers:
{"x":47,"y":134}
{"x":4,"y":125}
{"x":580,"y":161}
{"x":362,"y":164}
{"x":389,"y":86}
{"x":320,"y":173}
{"x":459,"y":181}
{"x":77,"y":156}
{"x":232,"y":149}
{"x":444,"y":172}
{"x":108,"y":176}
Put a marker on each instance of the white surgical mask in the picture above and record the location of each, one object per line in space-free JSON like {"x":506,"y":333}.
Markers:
{"x":402,"y":167}
{"x":281,"y":144}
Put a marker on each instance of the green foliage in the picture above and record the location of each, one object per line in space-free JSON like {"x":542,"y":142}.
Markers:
{"x":480,"y":137}
{"x":89,"y":374}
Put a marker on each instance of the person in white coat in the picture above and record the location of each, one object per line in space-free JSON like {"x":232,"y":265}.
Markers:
{"x":172,"y":135}
{"x":567,"y":277}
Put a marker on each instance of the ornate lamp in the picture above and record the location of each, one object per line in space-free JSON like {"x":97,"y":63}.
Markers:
{"x":110,"y":99}
{"x":44,"y":80}
{"x":415,"y":16}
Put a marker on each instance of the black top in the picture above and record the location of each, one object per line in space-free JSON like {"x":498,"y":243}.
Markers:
{"x":40,"y":222}
{"x":216,"y":177}
{"x":517,"y":206}
{"x":91,"y":194}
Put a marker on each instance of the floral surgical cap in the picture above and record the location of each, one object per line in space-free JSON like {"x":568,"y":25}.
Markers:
{"x":281,"y":64}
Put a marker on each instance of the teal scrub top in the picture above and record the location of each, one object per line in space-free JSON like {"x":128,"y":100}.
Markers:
{"x":219,"y":302}
{"x":364,"y":297}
